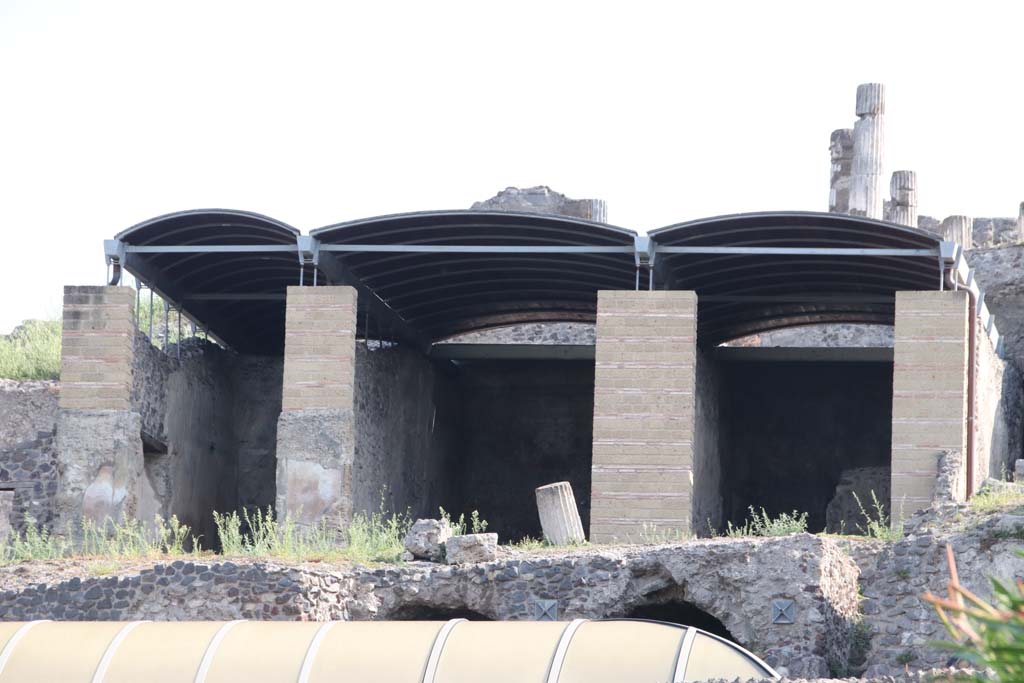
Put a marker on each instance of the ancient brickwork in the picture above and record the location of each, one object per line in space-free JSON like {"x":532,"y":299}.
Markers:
{"x":316,"y":429}
{"x":643,"y":414}
{"x":96,"y":357}
{"x":929,"y":406}
{"x":319,"y":357}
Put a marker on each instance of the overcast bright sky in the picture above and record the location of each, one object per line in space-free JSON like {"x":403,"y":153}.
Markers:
{"x":313,"y":113}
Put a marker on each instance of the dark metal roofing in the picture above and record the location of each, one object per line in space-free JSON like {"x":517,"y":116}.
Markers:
{"x":206,"y":285}
{"x":446,"y":293}
{"x":430,"y":275}
{"x":746,"y":293}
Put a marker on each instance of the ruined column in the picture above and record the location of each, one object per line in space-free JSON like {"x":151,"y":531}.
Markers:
{"x":1020,"y":222}
{"x":316,"y":430}
{"x":642,"y":471}
{"x":841,"y":152}
{"x":903,"y":198}
{"x":959,"y":229}
{"x":99,"y":436}
{"x":866,"y":197}
{"x":929,"y":395}
{"x":559,"y":516}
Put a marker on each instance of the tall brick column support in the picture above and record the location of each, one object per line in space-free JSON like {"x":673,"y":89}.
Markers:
{"x":929,"y":399}
{"x":642,"y":474}
{"x":99,"y":437}
{"x":316,"y":430}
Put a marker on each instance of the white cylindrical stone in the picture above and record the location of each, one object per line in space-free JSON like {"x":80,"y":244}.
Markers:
{"x":959,"y":229}
{"x":559,"y":516}
{"x":1020,"y":222}
{"x":840,"y":149}
{"x":866,"y":197}
{"x":903,"y":198}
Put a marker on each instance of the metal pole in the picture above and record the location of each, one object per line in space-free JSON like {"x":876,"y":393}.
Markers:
{"x":179,"y":334}
{"x":167,"y":323}
{"x":150,"y":315}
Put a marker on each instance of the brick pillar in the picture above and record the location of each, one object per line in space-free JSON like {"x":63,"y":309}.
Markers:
{"x":99,"y":437}
{"x":316,"y":430}
{"x":929,"y":399}
{"x":643,"y":414}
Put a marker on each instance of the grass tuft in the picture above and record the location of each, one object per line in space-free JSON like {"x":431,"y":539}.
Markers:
{"x":761,"y":524}
{"x":877,"y":523}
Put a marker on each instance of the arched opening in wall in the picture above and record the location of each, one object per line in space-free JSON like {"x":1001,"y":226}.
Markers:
{"x":682,"y":613}
{"x":433,"y":613}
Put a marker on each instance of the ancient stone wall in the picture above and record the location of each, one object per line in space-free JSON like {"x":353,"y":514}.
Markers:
{"x":734,"y":580}
{"x":28,"y":467}
{"x":998,"y":421}
{"x":406,"y":421}
{"x":708,"y":444}
{"x":26,"y":408}
{"x":543,"y":199}
{"x":572,"y":334}
{"x":829,"y":335}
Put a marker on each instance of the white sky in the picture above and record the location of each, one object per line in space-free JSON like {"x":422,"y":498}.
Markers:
{"x":313,"y":113}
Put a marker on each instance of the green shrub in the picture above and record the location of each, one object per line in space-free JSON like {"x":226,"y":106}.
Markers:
{"x":761,"y":524}
{"x":31,"y":351}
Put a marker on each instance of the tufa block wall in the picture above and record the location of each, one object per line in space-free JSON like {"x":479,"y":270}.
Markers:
{"x":642,"y":473}
{"x":929,"y":397}
{"x":96,"y":357}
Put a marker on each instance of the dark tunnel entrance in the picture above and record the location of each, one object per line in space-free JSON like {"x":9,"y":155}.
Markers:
{"x":682,"y":613}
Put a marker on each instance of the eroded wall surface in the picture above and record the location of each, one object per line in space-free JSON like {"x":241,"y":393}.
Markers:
{"x":998,"y":422}
{"x":26,"y":408}
{"x":708,"y":442}
{"x":28,"y":465}
{"x":733,"y":580}
{"x":406,"y":430}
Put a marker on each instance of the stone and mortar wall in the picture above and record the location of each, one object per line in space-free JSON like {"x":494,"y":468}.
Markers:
{"x":405,"y":432}
{"x":895,"y":576}
{"x":542,"y":199}
{"x":999,"y":413}
{"x":28,"y":466}
{"x":643,"y":414}
{"x":708,"y":445}
{"x":209,"y":420}
{"x":828,"y":335}
{"x":929,"y":404}
{"x":26,"y":408}
{"x":316,"y":430}
{"x":568,"y":334}
{"x":734,"y":580}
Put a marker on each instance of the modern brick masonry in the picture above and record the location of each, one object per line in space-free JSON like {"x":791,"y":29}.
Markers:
{"x":929,"y":403}
{"x":319,"y":358}
{"x":642,"y":477}
{"x":316,"y":430}
{"x":96,"y":360}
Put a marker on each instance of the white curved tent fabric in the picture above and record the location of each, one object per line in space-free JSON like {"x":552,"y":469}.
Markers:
{"x":456,"y":651}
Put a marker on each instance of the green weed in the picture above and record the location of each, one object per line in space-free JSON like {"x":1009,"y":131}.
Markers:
{"x":31,"y":351}
{"x":877,"y":523}
{"x":761,"y":524}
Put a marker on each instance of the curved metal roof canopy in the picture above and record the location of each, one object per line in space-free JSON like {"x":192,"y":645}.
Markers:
{"x":446,"y":272}
{"x":761,"y":271}
{"x":426,"y":276}
{"x":187,"y":258}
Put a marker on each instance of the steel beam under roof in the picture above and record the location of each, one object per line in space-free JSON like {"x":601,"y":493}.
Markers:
{"x":426,"y":276}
